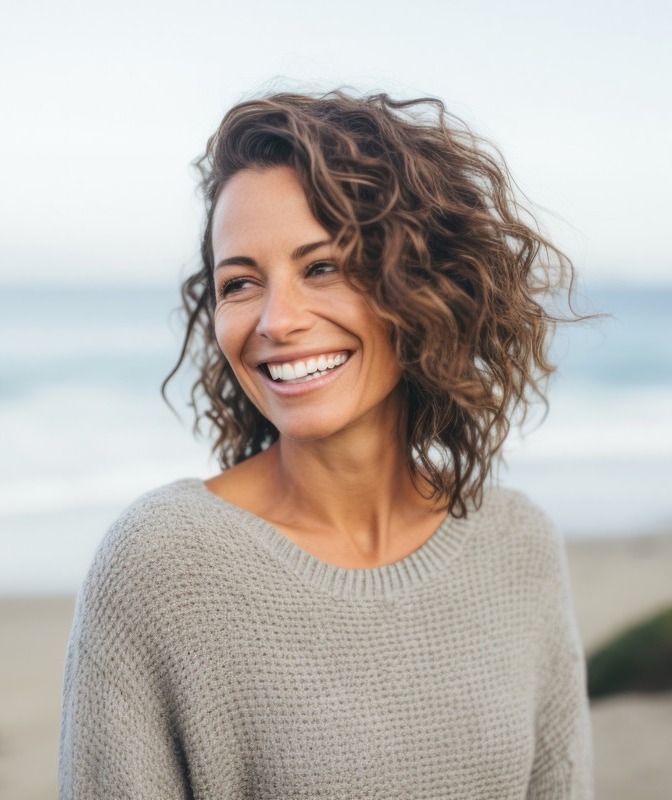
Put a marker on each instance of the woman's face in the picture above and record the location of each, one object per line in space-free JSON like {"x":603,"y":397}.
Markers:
{"x":307,"y":349}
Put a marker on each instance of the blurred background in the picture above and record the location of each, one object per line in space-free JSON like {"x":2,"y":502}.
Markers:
{"x":105,"y":107}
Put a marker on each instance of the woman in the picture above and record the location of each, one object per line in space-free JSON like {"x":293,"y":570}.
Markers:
{"x":349,"y":610}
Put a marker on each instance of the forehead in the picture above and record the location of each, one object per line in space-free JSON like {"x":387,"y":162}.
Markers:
{"x":262,"y":207}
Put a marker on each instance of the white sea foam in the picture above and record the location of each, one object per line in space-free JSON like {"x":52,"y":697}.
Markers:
{"x":98,"y":488}
{"x":64,"y":447}
{"x":601,"y":422}
{"x":71,"y":343}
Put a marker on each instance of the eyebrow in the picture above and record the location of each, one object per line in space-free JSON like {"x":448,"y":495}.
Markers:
{"x":300,"y":252}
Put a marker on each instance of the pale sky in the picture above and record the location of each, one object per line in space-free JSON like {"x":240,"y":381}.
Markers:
{"x":105,"y":104}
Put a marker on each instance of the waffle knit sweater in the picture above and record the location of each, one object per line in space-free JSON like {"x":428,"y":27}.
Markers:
{"x":213,"y":658}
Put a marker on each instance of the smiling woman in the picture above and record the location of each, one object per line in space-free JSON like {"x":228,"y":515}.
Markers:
{"x":286,"y":309}
{"x":350,"y":608}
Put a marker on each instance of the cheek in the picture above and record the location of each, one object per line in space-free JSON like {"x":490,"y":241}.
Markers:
{"x":380,"y":336}
{"x":220,"y":334}
{"x":386,"y":357}
{"x":228,"y":336}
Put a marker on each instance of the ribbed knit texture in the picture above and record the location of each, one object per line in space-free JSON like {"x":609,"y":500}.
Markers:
{"x":211,"y":657}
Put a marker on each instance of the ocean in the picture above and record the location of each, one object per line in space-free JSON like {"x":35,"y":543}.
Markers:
{"x":83,"y":428}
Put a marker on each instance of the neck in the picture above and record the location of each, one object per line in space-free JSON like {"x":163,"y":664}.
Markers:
{"x":356,"y":486}
{"x":349,"y":498}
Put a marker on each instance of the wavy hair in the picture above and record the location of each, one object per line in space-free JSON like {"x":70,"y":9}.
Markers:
{"x":429,"y":224}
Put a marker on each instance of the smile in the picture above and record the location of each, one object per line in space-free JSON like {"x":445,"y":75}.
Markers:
{"x":308,"y":370}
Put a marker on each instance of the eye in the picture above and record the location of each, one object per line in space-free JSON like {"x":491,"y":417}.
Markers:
{"x":321,"y":268}
{"x":232,"y":287}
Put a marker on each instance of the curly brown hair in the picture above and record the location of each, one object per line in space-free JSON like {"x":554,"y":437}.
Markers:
{"x":429,"y":224}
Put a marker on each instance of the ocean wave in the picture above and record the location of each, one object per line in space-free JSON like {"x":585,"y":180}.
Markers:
{"x":101,"y":487}
{"x":597,"y":423}
{"x":36,"y":343}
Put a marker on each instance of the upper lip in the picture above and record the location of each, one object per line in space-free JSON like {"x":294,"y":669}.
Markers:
{"x":287,"y":358}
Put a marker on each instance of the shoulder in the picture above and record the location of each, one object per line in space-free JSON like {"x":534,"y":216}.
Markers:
{"x":174,"y":551}
{"x":514,"y":512}
{"x":521,"y":551}
{"x":509,"y":523}
{"x":175,"y":513}
{"x":166,"y":516}
{"x":168,"y":535}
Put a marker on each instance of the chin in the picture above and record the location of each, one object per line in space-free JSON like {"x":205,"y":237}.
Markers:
{"x":309,"y":429}
{"x":315,"y":433}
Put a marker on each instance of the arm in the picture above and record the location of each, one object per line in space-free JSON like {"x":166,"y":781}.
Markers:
{"x":115,"y":737}
{"x":563,"y":751}
{"x":117,"y":740}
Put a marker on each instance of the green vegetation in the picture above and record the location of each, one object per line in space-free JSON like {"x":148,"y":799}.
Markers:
{"x":637,"y":660}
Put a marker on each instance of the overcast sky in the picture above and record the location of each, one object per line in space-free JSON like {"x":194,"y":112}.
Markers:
{"x":105,"y":105}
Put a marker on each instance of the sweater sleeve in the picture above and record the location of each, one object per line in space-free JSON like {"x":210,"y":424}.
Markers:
{"x":563,"y":767}
{"x":116,"y":736}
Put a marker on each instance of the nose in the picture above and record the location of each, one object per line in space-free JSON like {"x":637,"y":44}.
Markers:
{"x":284,"y":311}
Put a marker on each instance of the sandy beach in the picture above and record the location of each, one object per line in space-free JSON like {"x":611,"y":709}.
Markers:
{"x":615,"y":583}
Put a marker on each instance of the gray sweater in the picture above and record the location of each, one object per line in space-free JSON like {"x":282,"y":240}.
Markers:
{"x":211,"y":657}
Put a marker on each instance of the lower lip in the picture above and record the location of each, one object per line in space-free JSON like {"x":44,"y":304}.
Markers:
{"x":295,"y":389}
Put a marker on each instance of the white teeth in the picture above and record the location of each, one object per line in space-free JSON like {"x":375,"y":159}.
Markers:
{"x":306,"y":370}
{"x":288,"y":373}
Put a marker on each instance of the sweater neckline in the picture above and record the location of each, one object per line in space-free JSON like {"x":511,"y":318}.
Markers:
{"x":386,"y":581}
